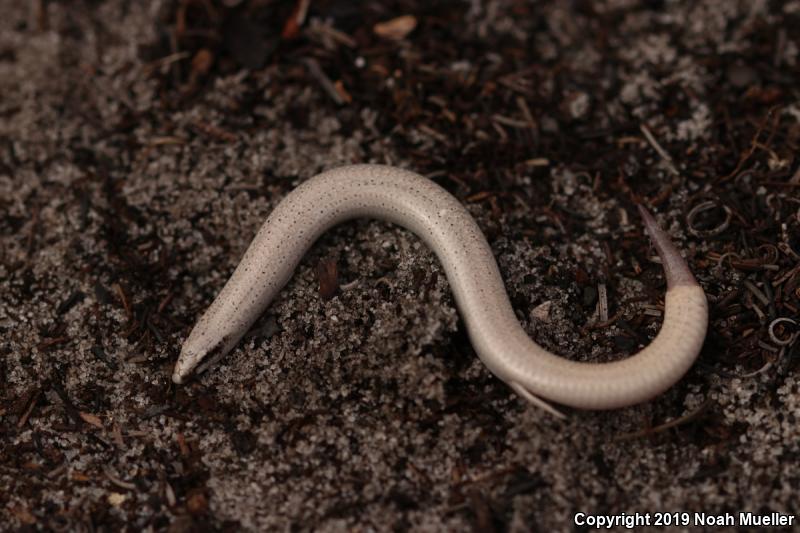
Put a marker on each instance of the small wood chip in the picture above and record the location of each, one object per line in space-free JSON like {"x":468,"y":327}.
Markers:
{"x":23,"y":514}
{"x":24,"y":418}
{"x":116,"y":433}
{"x":123,"y":298}
{"x":291,"y":28}
{"x":538,"y":162}
{"x":346,"y":97}
{"x":116,"y":499}
{"x":201,"y":64}
{"x":113,"y":478}
{"x":79,"y":476}
{"x":328,"y":276}
{"x":197,"y":503}
{"x":396,"y":29}
{"x":182,"y":445}
{"x":602,"y":302}
{"x":32,"y":466}
{"x":91,"y":419}
{"x":169,"y":494}
{"x":542,"y":311}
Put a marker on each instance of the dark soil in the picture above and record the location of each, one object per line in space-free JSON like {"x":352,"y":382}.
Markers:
{"x":142,"y":144}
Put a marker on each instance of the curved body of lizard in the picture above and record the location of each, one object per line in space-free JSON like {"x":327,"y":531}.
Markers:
{"x":416,"y":203}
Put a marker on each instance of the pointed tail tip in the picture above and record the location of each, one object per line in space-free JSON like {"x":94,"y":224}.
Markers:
{"x":676,"y":270}
{"x":649,"y":220}
{"x":646,"y":215}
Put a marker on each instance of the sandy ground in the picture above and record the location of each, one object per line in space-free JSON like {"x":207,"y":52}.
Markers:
{"x":132,"y":178}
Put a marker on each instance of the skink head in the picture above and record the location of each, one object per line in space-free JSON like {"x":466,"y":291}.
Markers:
{"x":196,"y":351}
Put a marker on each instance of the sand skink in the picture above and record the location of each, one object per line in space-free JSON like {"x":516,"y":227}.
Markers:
{"x":425,"y":208}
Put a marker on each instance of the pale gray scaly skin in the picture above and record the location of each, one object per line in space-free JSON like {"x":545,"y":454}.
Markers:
{"x":425,"y":208}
